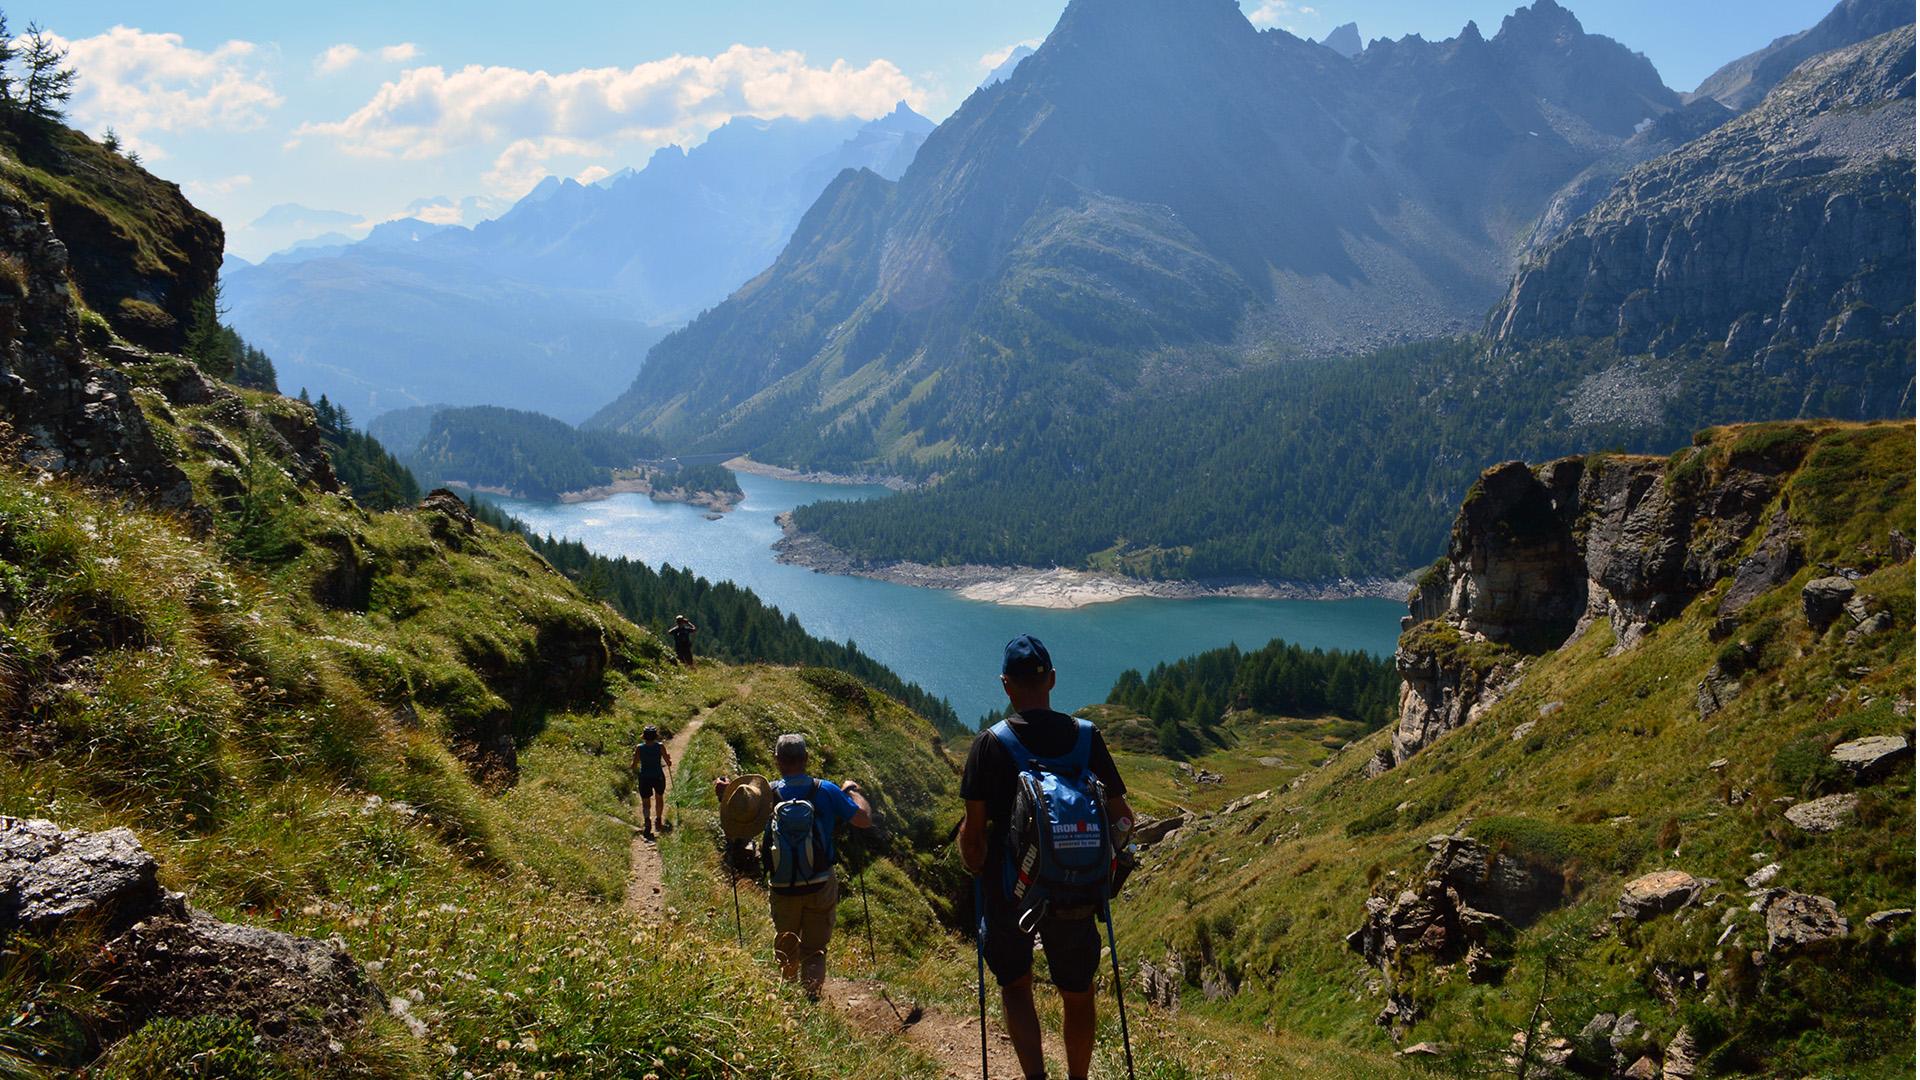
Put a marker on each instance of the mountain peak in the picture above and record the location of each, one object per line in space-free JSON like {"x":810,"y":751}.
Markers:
{"x":1344,"y":40}
{"x":1543,"y":22}
{"x":1471,"y":32}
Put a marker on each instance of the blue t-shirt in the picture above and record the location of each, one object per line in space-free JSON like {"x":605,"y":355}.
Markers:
{"x":832,"y":807}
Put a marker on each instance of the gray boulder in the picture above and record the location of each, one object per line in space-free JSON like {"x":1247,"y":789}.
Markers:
{"x":1824,"y":599}
{"x":1658,"y":893}
{"x":1801,"y":921}
{"x":1824,"y":815}
{"x":1873,"y":757}
{"x":163,"y":958}
{"x":49,"y":874}
{"x":1892,"y":917}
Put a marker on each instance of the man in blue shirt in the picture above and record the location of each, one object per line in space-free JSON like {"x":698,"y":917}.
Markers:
{"x":803,"y":917}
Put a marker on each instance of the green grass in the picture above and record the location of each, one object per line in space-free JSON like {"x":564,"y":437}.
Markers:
{"x":1618,"y":765}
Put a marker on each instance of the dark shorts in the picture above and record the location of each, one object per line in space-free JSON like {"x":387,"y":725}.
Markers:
{"x":1072,"y":947}
{"x":652,"y":784}
{"x":684,"y":653}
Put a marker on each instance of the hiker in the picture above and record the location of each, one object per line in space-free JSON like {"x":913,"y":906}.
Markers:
{"x":650,"y":760}
{"x":798,"y":816}
{"x":682,"y":632}
{"x":1067,"y":931}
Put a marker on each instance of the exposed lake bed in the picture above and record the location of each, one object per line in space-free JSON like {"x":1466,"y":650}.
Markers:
{"x":947,"y":637}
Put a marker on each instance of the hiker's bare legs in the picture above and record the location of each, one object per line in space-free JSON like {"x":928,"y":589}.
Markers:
{"x":1076,"y":1030}
{"x":1023,"y":1024}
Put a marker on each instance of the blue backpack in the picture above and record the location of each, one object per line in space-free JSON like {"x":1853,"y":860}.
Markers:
{"x":795,"y":847}
{"x":1059,"y":847}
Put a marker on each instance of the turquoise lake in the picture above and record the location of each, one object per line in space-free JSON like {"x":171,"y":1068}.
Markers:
{"x":949,"y":645}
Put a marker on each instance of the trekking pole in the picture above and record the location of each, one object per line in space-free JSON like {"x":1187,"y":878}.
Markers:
{"x":739,"y":937}
{"x":867,"y":910}
{"x":1119,"y":996}
{"x":980,"y":964}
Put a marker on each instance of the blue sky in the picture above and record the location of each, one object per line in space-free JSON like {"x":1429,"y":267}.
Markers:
{"x":368,"y":108}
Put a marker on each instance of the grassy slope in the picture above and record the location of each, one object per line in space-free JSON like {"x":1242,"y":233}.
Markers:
{"x":1271,"y":892}
{"x":242,"y":730}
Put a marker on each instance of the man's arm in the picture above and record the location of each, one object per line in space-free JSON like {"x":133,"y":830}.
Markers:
{"x":862,"y":812}
{"x":1121,"y":813}
{"x":973,"y":837}
{"x":635,"y":764}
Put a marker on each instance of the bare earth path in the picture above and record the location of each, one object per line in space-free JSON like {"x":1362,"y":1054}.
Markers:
{"x":646,"y":888}
{"x":952,"y":1041}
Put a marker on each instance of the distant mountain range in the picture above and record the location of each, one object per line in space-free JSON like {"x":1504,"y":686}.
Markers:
{"x":1159,"y":190}
{"x":554,"y":304}
{"x":1741,"y":84}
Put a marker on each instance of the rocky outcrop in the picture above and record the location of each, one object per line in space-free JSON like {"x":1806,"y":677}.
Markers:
{"x":1537,"y":555}
{"x":142,"y":255}
{"x":68,"y":413}
{"x":1787,"y":228}
{"x":162,"y":957}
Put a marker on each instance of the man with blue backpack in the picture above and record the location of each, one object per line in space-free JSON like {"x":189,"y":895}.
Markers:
{"x":798,"y":851}
{"x":1045,"y":836}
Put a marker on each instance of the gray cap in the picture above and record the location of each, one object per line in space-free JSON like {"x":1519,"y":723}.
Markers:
{"x":790,"y":747}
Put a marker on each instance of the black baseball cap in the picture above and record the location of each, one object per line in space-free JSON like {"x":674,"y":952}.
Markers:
{"x":1025,"y":657}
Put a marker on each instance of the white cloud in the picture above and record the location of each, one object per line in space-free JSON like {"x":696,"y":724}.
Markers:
{"x":226,"y":185}
{"x":999,"y":56}
{"x":336,"y":58}
{"x":139,"y":83}
{"x":535,"y":115}
{"x":593,"y":174}
{"x":1271,"y":13}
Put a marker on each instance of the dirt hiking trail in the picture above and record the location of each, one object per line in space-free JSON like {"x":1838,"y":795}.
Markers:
{"x":950,"y":1040}
{"x":646,"y":879}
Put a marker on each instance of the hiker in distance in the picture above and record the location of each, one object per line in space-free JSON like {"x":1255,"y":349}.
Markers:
{"x":682,"y":632}
{"x":800,"y":815}
{"x":1039,"y":752}
{"x":650,"y":760}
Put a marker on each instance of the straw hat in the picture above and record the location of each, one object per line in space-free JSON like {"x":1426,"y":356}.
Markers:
{"x":745,"y":807}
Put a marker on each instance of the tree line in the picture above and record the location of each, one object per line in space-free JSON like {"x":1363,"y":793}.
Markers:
{"x":1311,"y":471}
{"x":1187,"y":699}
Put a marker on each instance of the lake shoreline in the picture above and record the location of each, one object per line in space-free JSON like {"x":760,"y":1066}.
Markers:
{"x":778,"y":472}
{"x":1059,"y":588}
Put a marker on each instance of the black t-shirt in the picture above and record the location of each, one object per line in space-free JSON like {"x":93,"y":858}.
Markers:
{"x":682,"y":635}
{"x":991,"y":774}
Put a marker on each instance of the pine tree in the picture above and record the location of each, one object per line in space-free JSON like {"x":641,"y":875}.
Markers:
{"x":8,"y":53}
{"x":48,"y":82}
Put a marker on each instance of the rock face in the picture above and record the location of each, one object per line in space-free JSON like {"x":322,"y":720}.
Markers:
{"x":1537,"y":555}
{"x":144,"y":264}
{"x":72,"y":414}
{"x":1787,"y":228}
{"x":163,"y":958}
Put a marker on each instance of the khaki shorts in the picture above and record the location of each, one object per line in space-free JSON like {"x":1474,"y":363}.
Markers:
{"x":802,"y":927}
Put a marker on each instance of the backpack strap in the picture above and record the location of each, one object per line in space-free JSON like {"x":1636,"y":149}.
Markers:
{"x":1072,"y":763}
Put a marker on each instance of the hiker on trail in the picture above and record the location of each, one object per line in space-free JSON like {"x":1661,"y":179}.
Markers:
{"x":800,"y":814}
{"x":682,"y":632}
{"x":1067,"y":928}
{"x":650,"y":761}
